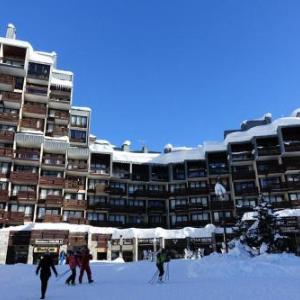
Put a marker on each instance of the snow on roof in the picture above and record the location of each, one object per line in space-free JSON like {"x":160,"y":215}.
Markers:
{"x":16,"y":43}
{"x":296,"y":113}
{"x":60,"y":82}
{"x":81,"y":108}
{"x":42,"y":57}
{"x":288,"y":213}
{"x":261,"y":130}
{"x":126,"y":157}
{"x":176,"y":156}
{"x":211,"y":146}
{"x":129,"y":233}
{"x":249,"y":216}
{"x":101,"y":148}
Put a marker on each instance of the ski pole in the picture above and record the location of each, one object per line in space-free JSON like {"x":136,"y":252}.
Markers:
{"x":62,"y":275}
{"x":153,"y":277}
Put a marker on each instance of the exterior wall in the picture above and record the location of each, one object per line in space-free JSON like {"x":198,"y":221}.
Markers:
{"x":4,"y":237}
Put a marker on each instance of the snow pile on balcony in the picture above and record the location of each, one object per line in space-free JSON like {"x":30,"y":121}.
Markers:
{"x":288,"y":213}
{"x":214,"y":277}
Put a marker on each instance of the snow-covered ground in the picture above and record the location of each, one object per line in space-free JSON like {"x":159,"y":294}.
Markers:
{"x":217,"y":276}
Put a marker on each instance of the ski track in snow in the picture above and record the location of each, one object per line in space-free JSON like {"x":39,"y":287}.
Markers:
{"x":226,"y":277}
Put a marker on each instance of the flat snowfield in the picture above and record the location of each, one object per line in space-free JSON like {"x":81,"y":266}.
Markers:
{"x":233,"y":277}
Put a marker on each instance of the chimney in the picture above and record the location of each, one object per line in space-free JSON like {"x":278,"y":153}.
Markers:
{"x":126,"y":146}
{"x":11,"y":32}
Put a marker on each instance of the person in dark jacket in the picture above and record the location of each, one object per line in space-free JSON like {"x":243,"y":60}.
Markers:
{"x":161,"y":258}
{"x":85,"y":265}
{"x":44,"y":266}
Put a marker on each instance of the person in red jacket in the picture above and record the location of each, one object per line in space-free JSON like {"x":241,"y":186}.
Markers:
{"x":73,"y":263}
{"x":85,"y":265}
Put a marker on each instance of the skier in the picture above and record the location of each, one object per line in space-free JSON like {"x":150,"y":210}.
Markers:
{"x":73,"y":263}
{"x":62,"y":258}
{"x":85,"y":265}
{"x":44,"y":265}
{"x":161,"y":258}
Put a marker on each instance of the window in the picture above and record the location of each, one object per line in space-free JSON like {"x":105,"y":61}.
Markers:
{"x":92,"y":216}
{"x":218,"y":216}
{"x":117,"y":218}
{"x":274,"y":198}
{"x":251,"y":202}
{"x":75,"y":196}
{"x":135,"y":187}
{"x":199,"y":201}
{"x":294,"y":196}
{"x":117,"y":202}
{"x":55,"y":174}
{"x":22,"y":188}
{"x":78,"y":121}
{"x":26,"y":209}
{"x":72,"y":214}
{"x":4,"y":167}
{"x":78,"y":136}
{"x":49,"y":192}
{"x":200,"y":217}
{"x":47,"y":211}
{"x":177,"y":187}
{"x":92,"y":183}
{"x":94,"y":200}
{"x":197,"y":184}
{"x":136,"y":203}
{"x":178,"y":202}
{"x":38,"y":71}
{"x":135,"y":219}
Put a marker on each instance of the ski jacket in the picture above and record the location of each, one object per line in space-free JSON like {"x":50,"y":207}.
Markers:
{"x":73,"y":262}
{"x":85,"y":259}
{"x":161,"y":258}
{"x":45,"y":264}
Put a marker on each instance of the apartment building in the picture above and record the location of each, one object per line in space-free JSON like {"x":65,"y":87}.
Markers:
{"x":53,"y":170}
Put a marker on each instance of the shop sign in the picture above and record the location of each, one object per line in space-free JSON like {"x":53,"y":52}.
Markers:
{"x":148,"y":241}
{"x":45,"y":249}
{"x":49,"y":241}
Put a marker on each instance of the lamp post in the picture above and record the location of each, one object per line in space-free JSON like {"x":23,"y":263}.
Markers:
{"x":220,"y":192}
{"x":121,"y":247}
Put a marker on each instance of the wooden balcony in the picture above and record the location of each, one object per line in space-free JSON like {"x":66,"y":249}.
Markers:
{"x":7,"y":82}
{"x":52,"y":219}
{"x":182,"y":207}
{"x":28,"y":197}
{"x":24,"y":177}
{"x":115,"y":190}
{"x":79,"y":221}
{"x":35,"y":124}
{"x":7,"y":135}
{"x":52,"y":201}
{"x":36,"y":109}
{"x":74,"y":204}
{"x":73,"y":185}
{"x":220,"y":205}
{"x":9,"y":117}
{"x":77,"y":140}
{"x":60,"y":115}
{"x":52,"y":181}
{"x":15,"y":218}
{"x":197,"y":206}
{"x":58,"y":131}
{"x":6,"y":152}
{"x":3,"y":196}
{"x":218,"y":171}
{"x":11,"y":97}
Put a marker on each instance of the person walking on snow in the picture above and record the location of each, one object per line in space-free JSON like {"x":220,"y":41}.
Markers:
{"x":73,"y":263}
{"x":44,"y":266}
{"x":85,"y":265}
{"x":161,"y":258}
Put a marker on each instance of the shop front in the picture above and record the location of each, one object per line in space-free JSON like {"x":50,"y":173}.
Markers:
{"x":148,"y":247}
{"x":176,"y":247}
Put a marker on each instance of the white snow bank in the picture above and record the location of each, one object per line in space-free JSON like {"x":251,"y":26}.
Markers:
{"x":226,"y":277}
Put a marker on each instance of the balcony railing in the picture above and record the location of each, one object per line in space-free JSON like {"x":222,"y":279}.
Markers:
{"x":35,"y":109}
{"x":55,"y":161}
{"x":179,"y":192}
{"x":293,"y":185}
{"x":37,"y":90}
{"x":52,"y":200}
{"x":218,"y":171}
{"x":180,"y":207}
{"x":7,"y":79}
{"x":157,"y":209}
{"x":28,"y":155}
{"x":35,"y":124}
{"x":292,"y":146}
{"x":52,"y":219}
{"x":241,"y":156}
{"x":197,"y":206}
{"x":80,"y":167}
{"x":243,"y":174}
{"x":246,"y":191}
{"x":6,"y":135}
{"x":220,"y":205}
{"x":24,"y":177}
{"x":74,"y":184}
{"x":115,"y":190}
{"x":12,"y":62}
{"x":29,"y":196}
{"x":79,"y":221}
{"x":52,"y":181}
{"x":11,"y":97}
{"x":6,"y":152}
{"x":9,"y":117}
{"x":268,"y":151}
{"x":269,"y":169}
{"x":3,"y":195}
{"x":75,"y":204}
{"x":275,"y":187}
{"x":58,"y":131}
{"x":15,"y":218}
{"x":59,"y":115}
{"x":198,"y":190}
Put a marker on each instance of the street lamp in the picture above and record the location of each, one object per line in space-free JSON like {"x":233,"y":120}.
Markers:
{"x":121,"y":247}
{"x":220,"y":192}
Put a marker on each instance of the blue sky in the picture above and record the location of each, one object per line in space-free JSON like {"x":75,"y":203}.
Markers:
{"x":179,"y":72}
